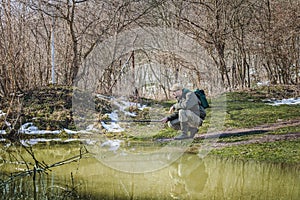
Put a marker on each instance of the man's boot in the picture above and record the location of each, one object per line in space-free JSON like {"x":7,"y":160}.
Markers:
{"x":184,"y":130}
{"x":193,"y":131}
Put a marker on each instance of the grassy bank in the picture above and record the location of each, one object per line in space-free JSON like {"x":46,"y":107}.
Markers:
{"x":276,"y":152}
{"x":259,"y":131}
{"x":50,"y":108}
{"x":249,"y":110}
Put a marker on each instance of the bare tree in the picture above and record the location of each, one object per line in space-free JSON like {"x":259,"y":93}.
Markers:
{"x":277,"y":24}
{"x":208,"y":22}
{"x":14,"y":47}
{"x":247,"y":39}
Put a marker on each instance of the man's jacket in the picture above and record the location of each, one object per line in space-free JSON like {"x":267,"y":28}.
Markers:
{"x":188,"y":101}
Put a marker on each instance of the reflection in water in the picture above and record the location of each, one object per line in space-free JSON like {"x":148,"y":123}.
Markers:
{"x":189,"y":177}
{"x":137,"y":156}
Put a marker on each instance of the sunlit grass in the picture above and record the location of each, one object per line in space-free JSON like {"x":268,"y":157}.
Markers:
{"x":286,"y":130}
{"x":244,"y":112}
{"x":276,"y":152}
{"x":249,"y":110}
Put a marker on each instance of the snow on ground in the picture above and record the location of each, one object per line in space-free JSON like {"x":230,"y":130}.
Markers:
{"x":290,"y":101}
{"x":113,"y":127}
{"x":31,"y":142}
{"x":111,"y":145}
{"x":266,"y":83}
{"x":2,"y":114}
{"x":29,"y":128}
{"x":34,"y":141}
{"x":121,"y":107}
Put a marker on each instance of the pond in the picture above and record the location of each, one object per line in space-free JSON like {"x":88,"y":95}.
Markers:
{"x":76,"y":174}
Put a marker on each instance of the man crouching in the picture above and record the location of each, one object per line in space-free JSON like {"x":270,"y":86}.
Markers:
{"x":187,"y":114}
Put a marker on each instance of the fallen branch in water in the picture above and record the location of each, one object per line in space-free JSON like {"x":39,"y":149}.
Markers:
{"x":41,"y":167}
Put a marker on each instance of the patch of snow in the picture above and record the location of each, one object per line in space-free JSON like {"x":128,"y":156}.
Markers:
{"x":266,"y":83}
{"x":100,"y":96}
{"x":290,"y":101}
{"x":27,"y":128}
{"x":33,"y":141}
{"x":121,"y":104}
{"x":114,"y":116}
{"x":7,"y":123}
{"x":74,"y":140}
{"x":30,"y":129}
{"x":130,"y":114}
{"x":90,"y":128}
{"x":112,"y":127}
{"x":70,"y":132}
{"x":2,"y":114}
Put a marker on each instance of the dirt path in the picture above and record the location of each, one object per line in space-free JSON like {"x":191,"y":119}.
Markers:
{"x":253,"y":131}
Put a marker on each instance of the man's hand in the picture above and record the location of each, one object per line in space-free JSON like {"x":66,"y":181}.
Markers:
{"x":164,"y":120}
{"x":172,"y":109}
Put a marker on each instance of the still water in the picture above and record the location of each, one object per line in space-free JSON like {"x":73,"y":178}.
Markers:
{"x":188,"y":177}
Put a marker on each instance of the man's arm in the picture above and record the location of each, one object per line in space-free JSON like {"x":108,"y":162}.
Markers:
{"x":170,"y":118}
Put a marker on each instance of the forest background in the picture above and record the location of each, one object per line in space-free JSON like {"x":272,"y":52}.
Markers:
{"x":249,"y":41}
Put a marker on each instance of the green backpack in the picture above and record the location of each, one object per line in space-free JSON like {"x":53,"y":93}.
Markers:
{"x":202,"y":98}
